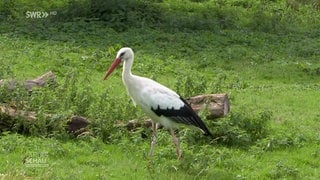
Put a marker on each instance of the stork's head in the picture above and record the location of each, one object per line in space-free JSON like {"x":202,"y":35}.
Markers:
{"x":124,"y":54}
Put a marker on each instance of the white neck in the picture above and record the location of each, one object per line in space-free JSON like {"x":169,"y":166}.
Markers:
{"x":129,"y":80}
{"x":126,"y":73}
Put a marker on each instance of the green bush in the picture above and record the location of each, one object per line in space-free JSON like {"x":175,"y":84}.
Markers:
{"x":242,"y":129}
{"x":118,"y":14}
{"x":267,"y":16}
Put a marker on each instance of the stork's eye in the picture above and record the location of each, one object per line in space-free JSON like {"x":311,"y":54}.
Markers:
{"x":122,"y":54}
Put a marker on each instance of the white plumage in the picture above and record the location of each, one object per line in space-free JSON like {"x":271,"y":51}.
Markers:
{"x":160,"y":103}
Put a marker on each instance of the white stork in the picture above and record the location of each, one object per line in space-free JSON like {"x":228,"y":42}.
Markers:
{"x":160,"y":103}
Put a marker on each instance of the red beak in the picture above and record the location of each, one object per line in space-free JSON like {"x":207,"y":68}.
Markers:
{"x":115,"y":63}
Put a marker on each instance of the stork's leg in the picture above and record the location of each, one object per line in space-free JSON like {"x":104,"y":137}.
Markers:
{"x":154,"y":138}
{"x":176,"y":142}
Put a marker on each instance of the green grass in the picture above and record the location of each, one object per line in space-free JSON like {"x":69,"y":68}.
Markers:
{"x":269,"y":68}
{"x":90,"y":158}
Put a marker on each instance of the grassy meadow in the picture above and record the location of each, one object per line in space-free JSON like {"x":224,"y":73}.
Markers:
{"x":264,"y":54}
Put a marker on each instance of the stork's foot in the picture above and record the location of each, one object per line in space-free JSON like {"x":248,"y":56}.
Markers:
{"x":178,"y":151}
{"x":180,"y":156}
{"x":176,"y":143}
{"x":153,"y":140}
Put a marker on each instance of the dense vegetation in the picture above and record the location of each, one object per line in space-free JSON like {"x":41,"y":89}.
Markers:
{"x":264,"y":54}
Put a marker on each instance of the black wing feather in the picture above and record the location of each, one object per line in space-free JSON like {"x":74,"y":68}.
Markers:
{"x":184,"y":115}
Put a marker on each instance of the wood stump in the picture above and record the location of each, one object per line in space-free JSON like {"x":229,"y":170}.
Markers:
{"x":217,"y":105}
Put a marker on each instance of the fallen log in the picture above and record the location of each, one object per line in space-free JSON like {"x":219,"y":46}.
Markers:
{"x":133,"y":124}
{"x":217,"y":105}
{"x":214,"y":106}
{"x":13,"y":112}
{"x":9,"y":115}
{"x":9,"y":112}
{"x":40,"y":81}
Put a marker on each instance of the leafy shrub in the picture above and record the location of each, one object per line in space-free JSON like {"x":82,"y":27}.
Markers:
{"x":242,"y":128}
{"x":119,"y":15}
{"x":266,"y":16}
{"x":8,"y":9}
{"x":282,"y":140}
{"x":296,"y":4}
{"x":199,"y":16}
{"x":308,"y":69}
{"x":189,"y":85}
{"x":283,"y":170}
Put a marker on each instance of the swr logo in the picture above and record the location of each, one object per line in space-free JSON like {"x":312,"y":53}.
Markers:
{"x":39,"y":14}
